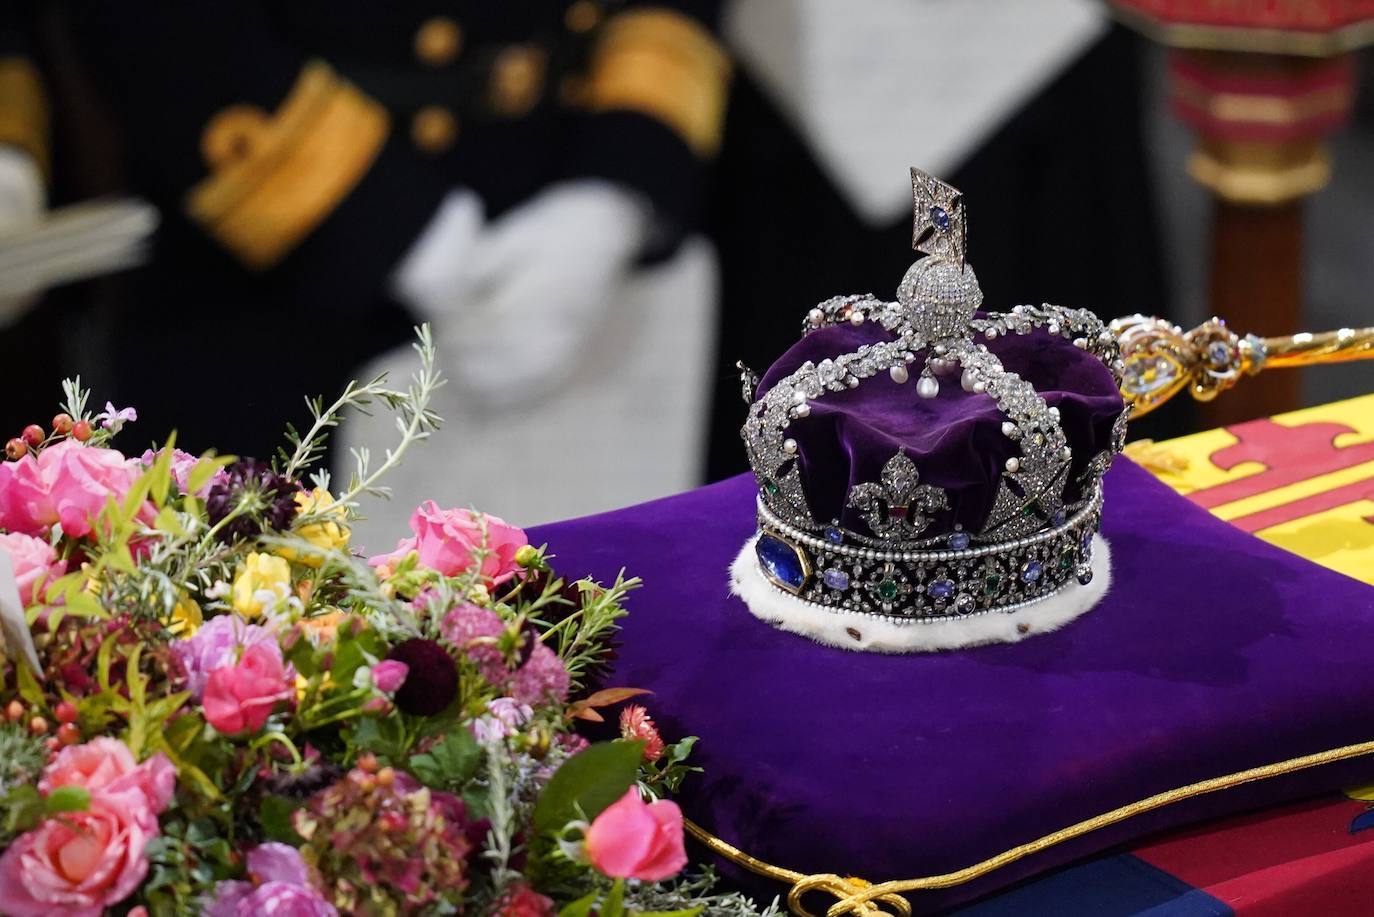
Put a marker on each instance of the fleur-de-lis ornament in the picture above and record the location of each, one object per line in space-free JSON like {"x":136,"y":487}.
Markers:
{"x":899,"y":507}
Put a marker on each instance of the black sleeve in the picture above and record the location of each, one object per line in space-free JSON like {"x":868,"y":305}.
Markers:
{"x":653,"y":109}
{"x":24,"y":118}
{"x":274,"y":155}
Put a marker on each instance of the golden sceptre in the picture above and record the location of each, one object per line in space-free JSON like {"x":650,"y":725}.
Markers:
{"x":1161,"y":359}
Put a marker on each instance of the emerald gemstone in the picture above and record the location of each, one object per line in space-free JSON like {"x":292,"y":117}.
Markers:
{"x":887,"y":589}
{"x":770,"y":487}
{"x":991,"y":583}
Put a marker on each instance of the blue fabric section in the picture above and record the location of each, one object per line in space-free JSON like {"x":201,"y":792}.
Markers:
{"x":1116,"y":886}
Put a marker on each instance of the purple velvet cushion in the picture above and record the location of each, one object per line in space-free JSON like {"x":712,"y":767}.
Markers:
{"x":1213,"y":652}
{"x":956,"y":438}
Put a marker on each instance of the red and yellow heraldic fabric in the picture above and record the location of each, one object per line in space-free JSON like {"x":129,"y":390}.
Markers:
{"x":1303,"y":481}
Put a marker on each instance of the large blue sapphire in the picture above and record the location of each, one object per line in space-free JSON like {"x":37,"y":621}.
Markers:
{"x":783,"y":563}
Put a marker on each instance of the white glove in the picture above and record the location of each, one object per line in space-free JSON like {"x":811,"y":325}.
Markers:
{"x":22,"y":200}
{"x":432,"y":273}
{"x":538,"y":286}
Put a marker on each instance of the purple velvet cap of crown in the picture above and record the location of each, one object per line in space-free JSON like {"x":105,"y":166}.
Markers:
{"x":955,"y":439}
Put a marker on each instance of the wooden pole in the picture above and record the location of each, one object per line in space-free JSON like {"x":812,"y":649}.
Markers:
{"x":1256,"y":285}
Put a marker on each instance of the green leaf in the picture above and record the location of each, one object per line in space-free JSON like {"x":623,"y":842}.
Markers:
{"x":579,"y":908}
{"x":167,"y":521}
{"x":67,"y":799}
{"x":614,"y":905}
{"x":587,"y":783}
{"x":29,"y":688}
{"x":23,"y":808}
{"x":449,"y":764}
{"x":275,"y":814}
{"x":205,"y":470}
{"x":302,"y":656}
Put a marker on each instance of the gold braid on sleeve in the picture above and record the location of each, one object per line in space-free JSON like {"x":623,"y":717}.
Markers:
{"x":24,"y":110}
{"x":275,"y":177}
{"x":666,"y":65}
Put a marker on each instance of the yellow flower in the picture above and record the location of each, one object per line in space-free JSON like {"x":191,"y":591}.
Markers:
{"x":262,"y":581}
{"x":327,"y":535}
{"x":186,"y":617}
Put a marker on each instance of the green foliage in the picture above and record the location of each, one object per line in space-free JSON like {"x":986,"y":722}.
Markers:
{"x":67,"y":799}
{"x":274,"y":814}
{"x":587,"y":783}
{"x":580,"y":638}
{"x":450,"y":764}
{"x":22,"y":756}
{"x":186,"y":861}
{"x":665,"y":775}
{"x":22,"y":808}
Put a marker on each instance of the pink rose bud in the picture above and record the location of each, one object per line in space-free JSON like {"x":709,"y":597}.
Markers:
{"x":239,"y":698}
{"x":635,"y":840}
{"x":34,"y":562}
{"x":389,"y":674}
{"x":446,"y":540}
{"x":66,"y":483}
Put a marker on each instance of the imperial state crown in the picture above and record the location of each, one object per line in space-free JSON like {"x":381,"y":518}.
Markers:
{"x":958,"y":510}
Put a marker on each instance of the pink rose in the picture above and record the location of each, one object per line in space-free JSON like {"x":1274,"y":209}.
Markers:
{"x":280,"y":887}
{"x":66,"y":483}
{"x":388,"y":675}
{"x":523,"y":901}
{"x":635,"y":840}
{"x":239,"y":698}
{"x":81,"y":863}
{"x":107,"y":764}
{"x":447,"y":539}
{"x":34,"y":562}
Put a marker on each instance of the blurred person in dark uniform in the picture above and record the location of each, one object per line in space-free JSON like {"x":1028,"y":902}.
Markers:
{"x":1032,"y":108}
{"x":330,"y":172}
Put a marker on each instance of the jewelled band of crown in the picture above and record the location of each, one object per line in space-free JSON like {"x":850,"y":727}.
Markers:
{"x":933,"y":320}
{"x":929,"y":586}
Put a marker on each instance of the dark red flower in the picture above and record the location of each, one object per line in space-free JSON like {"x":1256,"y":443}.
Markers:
{"x":432,"y":680}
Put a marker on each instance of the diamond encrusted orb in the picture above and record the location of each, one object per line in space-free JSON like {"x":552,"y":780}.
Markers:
{"x":938,"y":483}
{"x":939,"y":298}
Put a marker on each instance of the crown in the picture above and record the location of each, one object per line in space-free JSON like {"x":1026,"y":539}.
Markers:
{"x":971,"y":492}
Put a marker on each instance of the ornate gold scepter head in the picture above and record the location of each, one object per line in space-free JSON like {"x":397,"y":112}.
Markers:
{"x":1161,"y":359}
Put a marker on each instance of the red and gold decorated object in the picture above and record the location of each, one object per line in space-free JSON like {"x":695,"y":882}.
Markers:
{"x":1303,"y":481}
{"x":1262,"y":83}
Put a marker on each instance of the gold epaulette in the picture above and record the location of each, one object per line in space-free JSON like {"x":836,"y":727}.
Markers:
{"x":274,"y":178}
{"x":24,"y":110}
{"x":665,"y":65}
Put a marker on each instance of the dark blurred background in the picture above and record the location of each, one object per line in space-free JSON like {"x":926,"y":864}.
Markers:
{"x":602,"y":206}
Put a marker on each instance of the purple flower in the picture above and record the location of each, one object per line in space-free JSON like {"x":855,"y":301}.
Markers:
{"x":504,"y":717}
{"x":280,"y":888}
{"x":113,"y":419}
{"x":541,"y":678}
{"x":388,"y":675}
{"x":470,"y":630}
{"x":217,"y":644}
{"x":183,"y":463}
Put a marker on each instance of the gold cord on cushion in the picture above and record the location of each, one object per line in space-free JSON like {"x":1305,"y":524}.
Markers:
{"x":861,"y":898}
{"x":663,"y":64}
{"x":24,"y":110}
{"x":292,"y":169}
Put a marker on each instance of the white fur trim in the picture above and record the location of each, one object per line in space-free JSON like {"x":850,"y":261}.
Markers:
{"x":874,"y":634}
